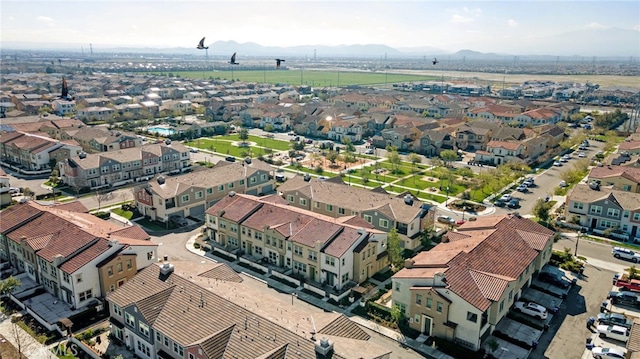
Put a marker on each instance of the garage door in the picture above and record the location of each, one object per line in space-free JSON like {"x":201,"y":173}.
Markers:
{"x":197,"y":211}
{"x":253,"y":192}
{"x":178,"y":213}
{"x":267,"y":189}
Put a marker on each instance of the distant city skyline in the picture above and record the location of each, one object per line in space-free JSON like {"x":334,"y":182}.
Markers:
{"x":522,"y":27}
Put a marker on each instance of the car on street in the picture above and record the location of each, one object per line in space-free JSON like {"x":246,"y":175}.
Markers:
{"x":613,"y":332}
{"x":532,"y":309}
{"x":565,"y":158}
{"x":522,"y":188}
{"x":614,"y":319}
{"x":529,"y":182}
{"x":446,"y":220}
{"x":608,"y":353}
{"x":460,"y":222}
{"x":499,"y":203}
{"x":506,"y":197}
{"x":582,"y":147}
{"x":553,"y":279}
{"x":230,"y":159}
{"x":557,"y":164}
{"x":562,"y":184}
{"x":514,"y":203}
{"x":624,"y":253}
{"x":369,"y":151}
{"x":193,"y":150}
{"x":581,"y":154}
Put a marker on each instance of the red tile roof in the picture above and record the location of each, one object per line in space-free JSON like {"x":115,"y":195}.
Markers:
{"x":85,"y":256}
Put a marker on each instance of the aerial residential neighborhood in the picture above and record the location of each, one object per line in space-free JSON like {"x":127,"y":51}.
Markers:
{"x":228,"y":199}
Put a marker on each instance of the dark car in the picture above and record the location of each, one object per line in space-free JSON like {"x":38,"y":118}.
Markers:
{"x":179,"y":221}
{"x":615,"y":319}
{"x":552,"y":279}
{"x":499,"y":203}
{"x":230,"y":159}
{"x":624,"y":298}
{"x":514,"y":203}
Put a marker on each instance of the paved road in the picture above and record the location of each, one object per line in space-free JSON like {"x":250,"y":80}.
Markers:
{"x":597,"y":254}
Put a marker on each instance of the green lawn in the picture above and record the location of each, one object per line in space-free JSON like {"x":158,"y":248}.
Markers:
{"x":432,"y":197}
{"x":260,"y":141}
{"x":122,"y":213}
{"x":300,"y":77}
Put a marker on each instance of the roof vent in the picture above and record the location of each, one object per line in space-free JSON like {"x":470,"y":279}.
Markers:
{"x":324,"y":347}
{"x":166,"y":268}
{"x":408,"y":200}
{"x":82,"y":155}
{"x":161,"y":180}
{"x":167,"y":141}
{"x":232,"y":193}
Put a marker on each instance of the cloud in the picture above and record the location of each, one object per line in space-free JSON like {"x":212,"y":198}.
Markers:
{"x":11,"y":18}
{"x":512,"y":23}
{"x":637,"y":27}
{"x":45,"y":19}
{"x":475,"y":11}
{"x":459,"y":19}
{"x":595,"y":25}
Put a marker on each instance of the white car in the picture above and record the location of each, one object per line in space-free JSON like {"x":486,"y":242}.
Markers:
{"x":521,"y":188}
{"x":608,"y":353}
{"x":532,"y":309}
{"x":582,"y":155}
{"x":557,"y":164}
{"x":369,"y":151}
{"x":614,"y":332}
{"x":562,"y":184}
{"x":506,"y":197}
{"x":624,"y":253}
{"x":446,"y":219}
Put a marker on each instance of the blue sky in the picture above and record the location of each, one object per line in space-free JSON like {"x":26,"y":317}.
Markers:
{"x":447,"y":25}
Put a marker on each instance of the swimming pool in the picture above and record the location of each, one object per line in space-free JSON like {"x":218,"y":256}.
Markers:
{"x":163,"y":131}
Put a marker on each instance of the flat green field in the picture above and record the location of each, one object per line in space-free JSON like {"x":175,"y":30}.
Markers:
{"x":307,"y":77}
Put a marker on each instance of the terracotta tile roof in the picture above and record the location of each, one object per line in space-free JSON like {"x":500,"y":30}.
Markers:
{"x":503,"y":144}
{"x":633,"y":344}
{"x":132,"y":232}
{"x":66,"y":244}
{"x":18,"y":214}
{"x":151,"y":306}
{"x":85,"y":256}
{"x":39,"y":242}
{"x":630,"y":173}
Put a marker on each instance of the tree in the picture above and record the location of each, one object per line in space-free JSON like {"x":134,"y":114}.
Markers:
{"x":102,"y":196}
{"x":542,"y":209}
{"x":8,"y":285}
{"x":243,"y":135}
{"x":269,"y":127}
{"x":396,"y":314}
{"x":332,"y":156}
{"x":395,"y":250}
{"x":348,"y":145}
{"x":394,"y":158}
{"x":448,"y":156}
{"x":414,"y":158}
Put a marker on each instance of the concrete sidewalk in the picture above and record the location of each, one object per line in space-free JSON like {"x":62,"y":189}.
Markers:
{"x":30,"y":347}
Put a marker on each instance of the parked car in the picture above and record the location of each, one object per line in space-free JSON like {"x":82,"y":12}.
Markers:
{"x":460,"y":222}
{"x":608,"y":353}
{"x":562,"y":184}
{"x":553,"y":279}
{"x":582,"y":147}
{"x":557,"y":164}
{"x":446,"y":219}
{"x":531,"y":308}
{"x":626,"y":298}
{"x":230,"y":159}
{"x":369,"y":151}
{"x":506,"y":197}
{"x":248,"y":160}
{"x":614,"y":332}
{"x":522,"y":188}
{"x":581,"y":154}
{"x":179,"y":221}
{"x":624,"y":253}
{"x":514,"y":203}
{"x":614,"y":319}
{"x":529,"y":182}
{"x":193,"y":150}
{"x":499,"y":203}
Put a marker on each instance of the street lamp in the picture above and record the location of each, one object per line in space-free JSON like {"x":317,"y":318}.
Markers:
{"x":581,"y":232}
{"x":293,"y":295}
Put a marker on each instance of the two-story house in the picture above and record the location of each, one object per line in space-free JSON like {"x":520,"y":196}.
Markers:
{"x":318,"y":248}
{"x":457,"y":292}
{"x":189,"y":195}
{"x":32,"y":152}
{"x":63,"y":107}
{"x":500,"y":152}
{"x":604,"y":208}
{"x":622,"y":178}
{"x":383,"y":211}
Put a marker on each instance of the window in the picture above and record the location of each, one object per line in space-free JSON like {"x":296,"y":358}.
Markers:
{"x":383,"y":223}
{"x":340,"y":210}
{"x":110,"y":271}
{"x":596,"y":209}
{"x":316,"y":204}
{"x":297,"y":250}
{"x":472,"y":317}
{"x":300,"y":267}
{"x":429,"y":303}
{"x":144,"y":329}
{"x":608,"y":224}
{"x":626,"y":187}
{"x":198,"y":194}
{"x":303,"y":201}
{"x":86,"y":295}
{"x":439,"y":307}
{"x":158,"y":337}
{"x":345,"y":277}
{"x":613,"y":212}
{"x":119,"y":266}
{"x":185,"y":198}
{"x":129,"y":265}
{"x":578,"y":205}
{"x":330,"y":261}
{"x":209,"y":190}
{"x":241,"y":182}
{"x":329,"y":208}
{"x":313,"y":256}
{"x":166,"y":342}
{"x":397,"y":286}
{"x":502,"y":305}
{"x":116,"y":309}
{"x":221,"y":188}
{"x":419,"y":299}
{"x":625,"y":214}
{"x":230,"y":185}
{"x":129,"y":319}
{"x":510,"y":294}
{"x":636,"y":216}
{"x":79,"y":278}
{"x":367,"y":218}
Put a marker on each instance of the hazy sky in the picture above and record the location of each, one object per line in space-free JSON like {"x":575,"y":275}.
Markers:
{"x":447,"y":25}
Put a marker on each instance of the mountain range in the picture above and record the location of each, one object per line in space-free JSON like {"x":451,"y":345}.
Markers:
{"x":609,"y":42}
